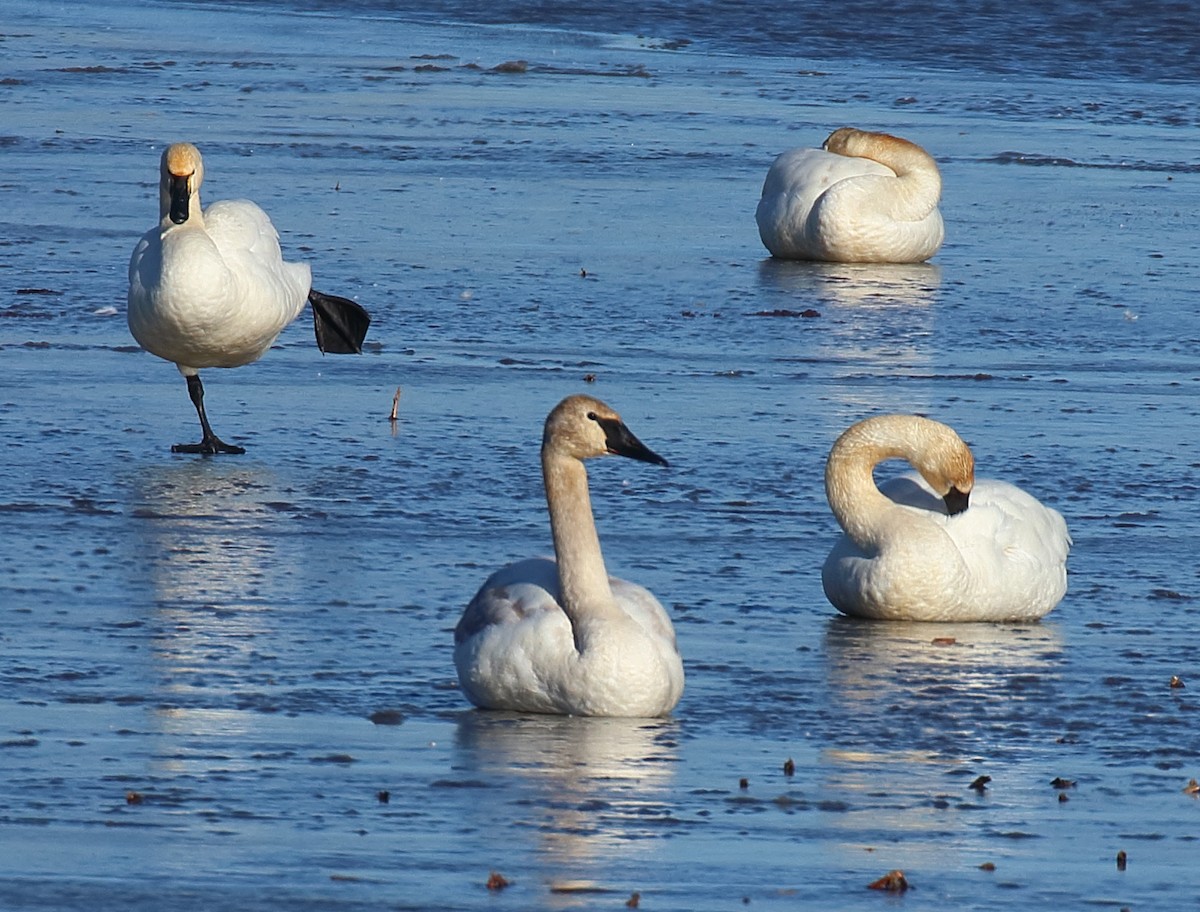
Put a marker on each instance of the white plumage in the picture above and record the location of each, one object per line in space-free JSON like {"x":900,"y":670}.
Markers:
{"x":939,"y":545}
{"x":861,"y":198}
{"x":562,"y":636}
{"x":209,"y":287}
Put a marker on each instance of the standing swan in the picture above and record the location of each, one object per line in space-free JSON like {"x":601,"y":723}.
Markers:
{"x":209,"y":288}
{"x":861,"y":198}
{"x":915,"y":551}
{"x":548,"y":636}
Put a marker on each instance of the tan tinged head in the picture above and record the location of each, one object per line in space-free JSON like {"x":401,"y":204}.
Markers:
{"x":838,"y":141}
{"x":881,"y":147}
{"x":860,"y":143}
{"x":182,"y":174}
{"x":932,"y":448}
{"x":583,"y":427}
{"x":182,"y":160}
{"x":948,"y":465}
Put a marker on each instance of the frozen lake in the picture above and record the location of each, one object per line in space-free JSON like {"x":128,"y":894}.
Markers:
{"x":212,"y":668}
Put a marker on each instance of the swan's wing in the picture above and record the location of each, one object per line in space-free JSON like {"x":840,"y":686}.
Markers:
{"x":510,"y":595}
{"x":514,"y":645}
{"x":145,"y":272}
{"x":147,"y":255}
{"x":1025,"y":529}
{"x":1016,"y":549}
{"x":813,"y":171}
{"x":1002,"y":519}
{"x":249,"y":245}
{"x":796,"y":180}
{"x":527,"y":589}
{"x":641,"y":605}
{"x":241,"y":226}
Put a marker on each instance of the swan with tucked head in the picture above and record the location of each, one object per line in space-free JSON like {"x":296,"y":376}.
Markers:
{"x":209,"y":287}
{"x":941,"y":544}
{"x":562,"y":636}
{"x":861,"y":198}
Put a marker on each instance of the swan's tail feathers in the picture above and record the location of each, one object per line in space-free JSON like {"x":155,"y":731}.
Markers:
{"x":340,"y":324}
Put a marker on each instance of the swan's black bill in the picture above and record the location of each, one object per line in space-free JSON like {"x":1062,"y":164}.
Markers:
{"x":340,"y":324}
{"x":179,"y":199}
{"x":956,"y":501}
{"x":621,"y":442}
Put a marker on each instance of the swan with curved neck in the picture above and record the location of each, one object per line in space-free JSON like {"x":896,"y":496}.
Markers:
{"x":562,"y":636}
{"x":863,"y":197}
{"x":940,"y":545}
{"x":209,"y":287}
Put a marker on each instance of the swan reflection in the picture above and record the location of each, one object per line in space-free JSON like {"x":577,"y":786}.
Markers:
{"x":874,"y":317}
{"x":921,"y":709}
{"x":852,"y":284}
{"x":591,"y":788}
{"x":216,"y":564}
{"x":870,"y":661}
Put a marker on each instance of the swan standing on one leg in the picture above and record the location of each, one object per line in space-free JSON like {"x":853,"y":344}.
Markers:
{"x":861,"y":198}
{"x":914,"y":550}
{"x":562,"y":636}
{"x":210,"y":288}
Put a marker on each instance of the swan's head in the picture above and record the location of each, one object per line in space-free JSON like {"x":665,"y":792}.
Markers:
{"x":882,"y":147}
{"x":182,"y":174}
{"x":840,"y":139}
{"x":946,"y":462}
{"x":930,"y":447}
{"x":582,"y":426}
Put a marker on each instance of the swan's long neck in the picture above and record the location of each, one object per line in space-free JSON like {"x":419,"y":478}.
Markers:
{"x":854,"y":498}
{"x":584,"y":592}
{"x":918,"y":183}
{"x":917,"y":187}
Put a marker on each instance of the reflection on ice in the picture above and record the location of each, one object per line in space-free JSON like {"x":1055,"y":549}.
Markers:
{"x":590,"y":787}
{"x":872,"y":661}
{"x":206,"y":535}
{"x":204,"y":529}
{"x":181,"y":728}
{"x":216,"y":566}
{"x":924,"y":708}
{"x":853,"y":284}
{"x":873,"y":317}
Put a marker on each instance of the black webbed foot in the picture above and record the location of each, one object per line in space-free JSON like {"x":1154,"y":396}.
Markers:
{"x":340,"y":324}
{"x":209,"y":446}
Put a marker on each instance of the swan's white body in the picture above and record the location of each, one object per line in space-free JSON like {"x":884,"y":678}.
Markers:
{"x":209,"y":287}
{"x":562,"y":636}
{"x":861,"y":198}
{"x":904,"y":556}
{"x":213,"y":290}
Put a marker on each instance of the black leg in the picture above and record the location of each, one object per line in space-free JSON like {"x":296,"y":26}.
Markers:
{"x":210,"y":443}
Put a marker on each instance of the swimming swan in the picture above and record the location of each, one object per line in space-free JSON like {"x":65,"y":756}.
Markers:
{"x":209,"y":288}
{"x":546,"y":636}
{"x":861,"y":198}
{"x":914,"y":550}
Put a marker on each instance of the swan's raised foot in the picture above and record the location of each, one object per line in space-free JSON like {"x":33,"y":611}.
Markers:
{"x":340,"y":324}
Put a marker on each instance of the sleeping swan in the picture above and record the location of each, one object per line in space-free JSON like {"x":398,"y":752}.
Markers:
{"x":861,"y":198}
{"x":546,"y":636}
{"x":209,"y":288}
{"x":914,"y":550}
